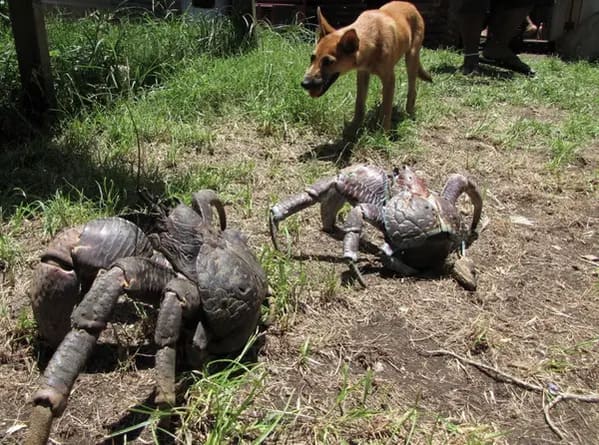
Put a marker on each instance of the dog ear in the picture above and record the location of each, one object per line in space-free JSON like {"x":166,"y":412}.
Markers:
{"x":324,"y":26}
{"x":349,"y":42}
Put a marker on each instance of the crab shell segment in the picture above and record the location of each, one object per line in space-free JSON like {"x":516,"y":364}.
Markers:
{"x":232,"y":286}
{"x":423,"y":231}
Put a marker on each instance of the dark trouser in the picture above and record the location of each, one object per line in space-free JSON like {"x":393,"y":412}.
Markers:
{"x":487,"y":6}
{"x":503,"y":18}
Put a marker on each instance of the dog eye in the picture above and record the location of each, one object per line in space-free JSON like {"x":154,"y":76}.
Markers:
{"x":326,"y":61}
{"x":312,"y":57}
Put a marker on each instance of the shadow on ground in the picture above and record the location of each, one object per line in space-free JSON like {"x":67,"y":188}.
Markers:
{"x":340,"y":151}
{"x":33,"y":168}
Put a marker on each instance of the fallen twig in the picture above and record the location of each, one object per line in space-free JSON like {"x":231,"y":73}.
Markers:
{"x":550,"y":392}
{"x":552,"y":425}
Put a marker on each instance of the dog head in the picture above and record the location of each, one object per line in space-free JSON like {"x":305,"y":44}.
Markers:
{"x":334,"y":55}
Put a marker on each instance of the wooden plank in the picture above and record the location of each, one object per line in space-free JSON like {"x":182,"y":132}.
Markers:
{"x":31,"y":44}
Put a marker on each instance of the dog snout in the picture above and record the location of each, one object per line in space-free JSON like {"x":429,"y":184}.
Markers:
{"x":311,"y":82}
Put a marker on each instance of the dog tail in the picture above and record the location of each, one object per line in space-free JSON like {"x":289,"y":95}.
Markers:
{"x":423,"y":74}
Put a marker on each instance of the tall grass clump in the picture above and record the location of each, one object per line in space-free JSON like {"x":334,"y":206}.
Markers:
{"x":222,"y":406}
{"x":262,"y":85}
{"x":70,"y":207}
{"x":106,"y":55}
{"x":99,"y":61}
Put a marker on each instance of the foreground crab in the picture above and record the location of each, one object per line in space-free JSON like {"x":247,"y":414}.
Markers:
{"x":206,"y":281}
{"x":421,"y":228}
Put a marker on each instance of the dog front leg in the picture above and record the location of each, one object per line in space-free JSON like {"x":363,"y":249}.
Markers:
{"x":388,"y":82}
{"x":363,"y":78}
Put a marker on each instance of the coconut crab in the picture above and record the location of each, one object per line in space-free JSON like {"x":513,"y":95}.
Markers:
{"x":422,"y":229}
{"x":206,"y":281}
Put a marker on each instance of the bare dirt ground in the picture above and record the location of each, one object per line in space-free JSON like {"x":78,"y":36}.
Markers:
{"x":535,"y":314}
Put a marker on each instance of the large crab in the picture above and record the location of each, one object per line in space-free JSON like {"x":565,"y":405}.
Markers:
{"x":422,"y":229}
{"x":206,"y":281}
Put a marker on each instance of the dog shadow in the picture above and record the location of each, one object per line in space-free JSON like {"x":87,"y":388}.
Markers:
{"x":338,"y":234}
{"x":347,"y":277}
{"x":378,"y":269}
{"x":340,"y":151}
{"x":370,"y":268}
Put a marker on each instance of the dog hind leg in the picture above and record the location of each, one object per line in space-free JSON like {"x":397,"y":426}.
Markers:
{"x":412,"y":67}
{"x":388,"y":81}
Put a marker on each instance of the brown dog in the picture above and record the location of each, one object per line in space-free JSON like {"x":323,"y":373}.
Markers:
{"x":373,"y":44}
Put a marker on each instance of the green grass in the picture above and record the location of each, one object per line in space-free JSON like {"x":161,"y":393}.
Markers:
{"x":175,"y":94}
{"x":10,"y":251}
{"x":287,"y":280}
{"x":562,"y":358}
{"x":219,"y":406}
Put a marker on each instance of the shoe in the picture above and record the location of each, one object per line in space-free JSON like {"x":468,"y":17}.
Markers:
{"x":512,"y":63}
{"x":471,"y":70}
{"x":470,"y":66}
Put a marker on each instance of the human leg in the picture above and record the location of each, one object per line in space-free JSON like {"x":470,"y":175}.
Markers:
{"x":470,"y":16}
{"x":504,"y":22}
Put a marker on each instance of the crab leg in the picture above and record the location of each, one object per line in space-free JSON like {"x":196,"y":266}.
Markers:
{"x":134,"y":276}
{"x":353,"y":229}
{"x":41,"y":416}
{"x":323,"y":191}
{"x":454,"y":187}
{"x":181,"y":299}
{"x":286,"y":208}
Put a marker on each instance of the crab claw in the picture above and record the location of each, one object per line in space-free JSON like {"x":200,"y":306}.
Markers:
{"x":454,"y":187}
{"x":464,"y":272}
{"x":202,"y":202}
{"x":274,"y":228}
{"x":39,"y":425}
{"x":357,"y":274}
{"x":472,"y":236}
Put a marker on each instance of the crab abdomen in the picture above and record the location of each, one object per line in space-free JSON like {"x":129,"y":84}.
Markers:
{"x":363,"y":184}
{"x":103,"y":241}
{"x":54,"y":287}
{"x":422,"y":231}
{"x":69,"y":265}
{"x":232,"y":286}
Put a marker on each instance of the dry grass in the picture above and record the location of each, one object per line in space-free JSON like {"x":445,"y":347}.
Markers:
{"x":362,"y":376}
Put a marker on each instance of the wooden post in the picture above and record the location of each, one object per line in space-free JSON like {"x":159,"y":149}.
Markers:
{"x":244,"y":16}
{"x":29,"y":32}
